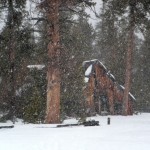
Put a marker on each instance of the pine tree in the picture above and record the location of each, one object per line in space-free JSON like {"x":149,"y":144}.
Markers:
{"x":51,"y":8}
{"x":33,"y":96}
{"x":135,"y":19}
{"x":111,"y":40}
{"x":23,"y":51}
{"x":78,"y":42}
{"x":142,"y":78}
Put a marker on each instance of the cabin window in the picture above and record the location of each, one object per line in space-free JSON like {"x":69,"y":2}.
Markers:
{"x":104,"y":103}
{"x":118,"y":108}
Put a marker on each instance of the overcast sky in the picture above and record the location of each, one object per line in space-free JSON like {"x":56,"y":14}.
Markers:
{"x":98,"y":7}
{"x":92,"y":19}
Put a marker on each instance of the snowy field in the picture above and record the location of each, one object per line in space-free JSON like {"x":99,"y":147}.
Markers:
{"x":124,"y":133}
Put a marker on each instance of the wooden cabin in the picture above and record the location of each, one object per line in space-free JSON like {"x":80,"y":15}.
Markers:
{"x":103,"y":94}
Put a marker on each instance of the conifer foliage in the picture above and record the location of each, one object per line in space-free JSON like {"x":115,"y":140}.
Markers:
{"x":59,"y":37}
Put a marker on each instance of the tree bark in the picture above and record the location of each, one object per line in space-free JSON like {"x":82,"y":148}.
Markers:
{"x":53,"y":71}
{"x":11,"y":47}
{"x":128,"y":72}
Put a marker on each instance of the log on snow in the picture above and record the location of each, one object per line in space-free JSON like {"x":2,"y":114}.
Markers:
{"x":6,"y":127}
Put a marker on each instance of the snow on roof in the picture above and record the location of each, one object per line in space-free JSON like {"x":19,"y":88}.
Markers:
{"x":122,"y":87}
{"x":86,"y":79}
{"x":84,"y":63}
{"x":87,"y":61}
{"x":132,"y":96}
{"x":129,"y":93}
{"x":102,"y":65}
{"x":88,"y":70}
{"x":111,"y":76}
{"x":94,"y":61}
{"x":39,"y":67}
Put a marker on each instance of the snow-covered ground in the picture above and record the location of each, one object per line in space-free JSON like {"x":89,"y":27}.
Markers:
{"x":124,"y":133}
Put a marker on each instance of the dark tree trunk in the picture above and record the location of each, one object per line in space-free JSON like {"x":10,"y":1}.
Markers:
{"x":11,"y":47}
{"x":128,"y":72}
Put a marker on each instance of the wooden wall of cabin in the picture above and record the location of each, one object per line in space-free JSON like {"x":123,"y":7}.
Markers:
{"x":90,"y":96}
{"x":100,"y":88}
{"x":130,"y":108}
{"x":118,"y":100}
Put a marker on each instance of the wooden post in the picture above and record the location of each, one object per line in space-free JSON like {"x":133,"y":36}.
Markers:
{"x":108,"y":121}
{"x":99,"y":106}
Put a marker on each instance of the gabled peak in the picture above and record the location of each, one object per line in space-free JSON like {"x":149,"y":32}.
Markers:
{"x":87,"y":63}
{"x":88,"y":70}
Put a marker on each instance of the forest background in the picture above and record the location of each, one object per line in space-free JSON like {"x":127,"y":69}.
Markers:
{"x":23,"y":42}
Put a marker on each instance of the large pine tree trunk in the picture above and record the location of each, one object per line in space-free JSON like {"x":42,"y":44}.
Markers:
{"x":53,"y":72}
{"x":128,"y":72}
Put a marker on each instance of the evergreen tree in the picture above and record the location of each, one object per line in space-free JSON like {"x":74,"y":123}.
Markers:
{"x":135,"y":19}
{"x":141,"y":83}
{"x":111,"y":40}
{"x":33,"y":96}
{"x":78,"y":42}
{"x":51,"y":9}
{"x":16,"y":32}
